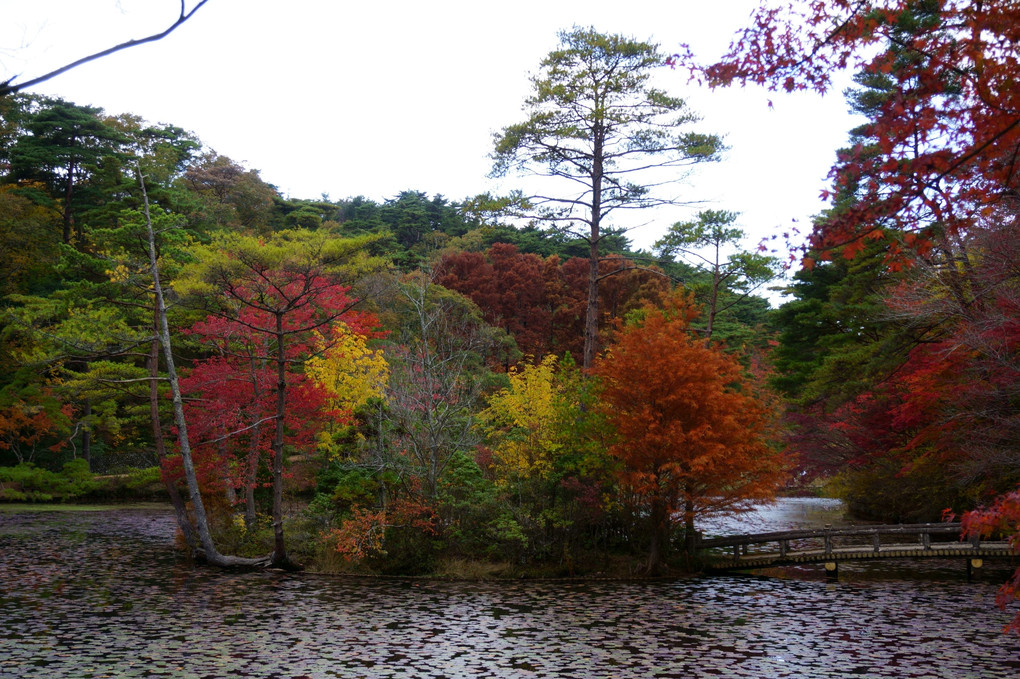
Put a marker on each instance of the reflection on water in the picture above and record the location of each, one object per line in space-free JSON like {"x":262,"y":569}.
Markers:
{"x":785,"y":514}
{"x":100,"y":595}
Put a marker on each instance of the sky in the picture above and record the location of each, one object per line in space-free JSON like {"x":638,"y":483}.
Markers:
{"x":373,"y":98}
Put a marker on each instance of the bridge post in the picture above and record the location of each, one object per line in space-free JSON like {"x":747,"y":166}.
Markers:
{"x":784,"y":546}
{"x":828,"y":543}
{"x":876,"y":542}
{"x":926,"y":540}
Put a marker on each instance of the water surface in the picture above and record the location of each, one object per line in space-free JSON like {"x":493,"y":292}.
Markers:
{"x":101,"y":594}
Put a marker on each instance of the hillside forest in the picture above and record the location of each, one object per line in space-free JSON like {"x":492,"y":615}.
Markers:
{"x":504,"y":382}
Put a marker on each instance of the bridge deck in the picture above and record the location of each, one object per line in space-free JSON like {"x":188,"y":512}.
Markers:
{"x":860,"y":553}
{"x":834,"y":545}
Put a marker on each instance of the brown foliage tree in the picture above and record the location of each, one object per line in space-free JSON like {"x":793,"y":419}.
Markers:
{"x":542,"y":303}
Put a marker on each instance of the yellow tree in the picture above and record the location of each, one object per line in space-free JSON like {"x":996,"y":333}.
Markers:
{"x":349,"y":370}
{"x":691,"y":436}
{"x":520,"y":419}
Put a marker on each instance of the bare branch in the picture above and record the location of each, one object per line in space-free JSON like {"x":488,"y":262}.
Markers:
{"x":8,"y":87}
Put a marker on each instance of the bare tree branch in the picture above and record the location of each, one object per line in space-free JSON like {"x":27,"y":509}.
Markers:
{"x":9,"y":87}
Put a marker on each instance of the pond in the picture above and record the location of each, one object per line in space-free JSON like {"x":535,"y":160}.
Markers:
{"x":101,"y":594}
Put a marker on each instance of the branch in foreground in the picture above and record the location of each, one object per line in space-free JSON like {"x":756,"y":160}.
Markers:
{"x":8,"y":87}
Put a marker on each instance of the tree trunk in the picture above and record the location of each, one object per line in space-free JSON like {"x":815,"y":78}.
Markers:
{"x":690,"y":537}
{"x":657,"y":520}
{"x":180,"y":508}
{"x":591,"y":319}
{"x":280,"y":558}
{"x":205,"y":540}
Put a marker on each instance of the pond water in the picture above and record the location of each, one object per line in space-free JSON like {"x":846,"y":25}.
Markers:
{"x":101,"y":594}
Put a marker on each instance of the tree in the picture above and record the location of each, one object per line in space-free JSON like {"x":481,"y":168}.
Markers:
{"x":27,"y":234}
{"x":691,"y":436}
{"x":947,"y":129}
{"x":595,"y":122}
{"x":231,"y":196}
{"x":547,"y":456}
{"x":232,"y":399}
{"x":437,"y":375}
{"x":30,"y":418}
{"x":349,"y":369}
{"x":212,"y":554}
{"x":542,"y":302}
{"x":519,"y":420}
{"x":65,"y":145}
{"x":9,"y":87}
{"x":286,"y":287}
{"x":740,"y":272}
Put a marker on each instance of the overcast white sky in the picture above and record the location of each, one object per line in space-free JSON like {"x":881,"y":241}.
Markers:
{"x":374,"y":97}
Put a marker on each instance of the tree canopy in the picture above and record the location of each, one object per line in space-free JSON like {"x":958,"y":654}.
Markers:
{"x":595,"y":123}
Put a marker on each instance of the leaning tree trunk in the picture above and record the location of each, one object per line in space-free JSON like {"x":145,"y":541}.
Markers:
{"x":212,"y":555}
{"x":180,"y":508}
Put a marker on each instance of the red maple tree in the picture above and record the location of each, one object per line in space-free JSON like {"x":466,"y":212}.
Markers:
{"x":946,"y":136}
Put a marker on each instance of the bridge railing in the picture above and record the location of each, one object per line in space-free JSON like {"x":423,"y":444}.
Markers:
{"x":830,"y":538}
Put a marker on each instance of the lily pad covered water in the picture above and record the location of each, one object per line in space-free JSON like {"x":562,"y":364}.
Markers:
{"x":101,"y":594}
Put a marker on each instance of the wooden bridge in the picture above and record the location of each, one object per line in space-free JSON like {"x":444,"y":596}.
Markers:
{"x":831,"y":546}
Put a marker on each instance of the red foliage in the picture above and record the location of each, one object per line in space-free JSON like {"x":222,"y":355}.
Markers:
{"x":947,"y":136}
{"x":363,"y":533}
{"x":232,"y":404}
{"x":542,"y":303}
{"x":914,"y":412}
{"x":31,"y":419}
{"x":1002,"y":518}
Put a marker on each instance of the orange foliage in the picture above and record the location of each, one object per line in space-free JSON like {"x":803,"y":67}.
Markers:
{"x":363,"y":533}
{"x":691,"y":436}
{"x":27,"y":424}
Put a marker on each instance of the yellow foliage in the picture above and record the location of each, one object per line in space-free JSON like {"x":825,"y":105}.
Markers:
{"x":520,"y":421}
{"x":119,"y":274}
{"x":348,"y":369}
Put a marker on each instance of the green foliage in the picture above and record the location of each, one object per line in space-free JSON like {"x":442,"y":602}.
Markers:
{"x":142,"y":478}
{"x":468,"y":504}
{"x":727,"y":281}
{"x":35,"y":484}
{"x":887,"y":490}
{"x":838,"y":337}
{"x":348,"y":487}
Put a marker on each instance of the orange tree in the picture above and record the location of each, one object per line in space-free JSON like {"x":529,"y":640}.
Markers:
{"x":691,"y":435}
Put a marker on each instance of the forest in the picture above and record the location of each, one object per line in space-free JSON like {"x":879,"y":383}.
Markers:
{"x":503,"y":384}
